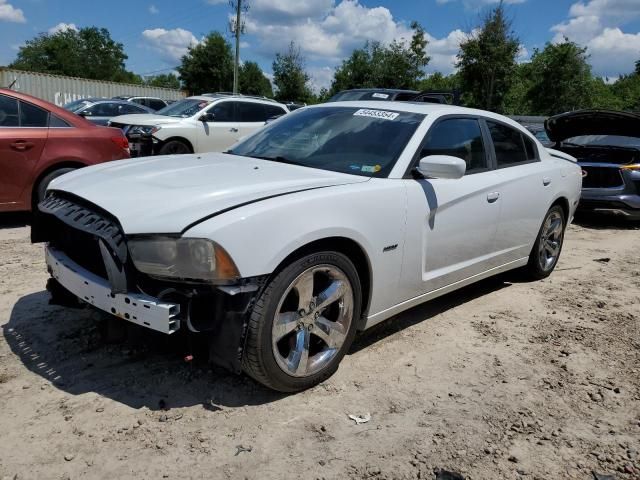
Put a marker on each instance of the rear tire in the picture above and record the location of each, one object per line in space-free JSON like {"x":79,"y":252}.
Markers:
{"x":546,"y":251}
{"x":174,"y":147}
{"x":303,"y":323}
{"x":44,"y":183}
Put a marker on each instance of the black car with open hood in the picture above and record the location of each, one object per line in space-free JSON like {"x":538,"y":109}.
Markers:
{"x":607,"y":146}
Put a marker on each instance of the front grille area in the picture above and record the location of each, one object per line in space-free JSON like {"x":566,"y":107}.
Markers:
{"x":76,"y":230}
{"x":601,"y":177}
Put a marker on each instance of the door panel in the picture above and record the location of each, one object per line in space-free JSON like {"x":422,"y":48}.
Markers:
{"x":224,"y":131}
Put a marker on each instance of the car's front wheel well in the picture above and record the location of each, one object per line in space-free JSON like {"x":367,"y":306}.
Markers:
{"x":181,"y":140}
{"x":349,"y":248}
{"x":48,"y":171}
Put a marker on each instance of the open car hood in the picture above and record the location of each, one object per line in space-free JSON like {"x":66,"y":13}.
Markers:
{"x":592,"y":122}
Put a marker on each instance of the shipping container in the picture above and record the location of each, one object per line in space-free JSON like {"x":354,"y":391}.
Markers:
{"x":61,"y":90}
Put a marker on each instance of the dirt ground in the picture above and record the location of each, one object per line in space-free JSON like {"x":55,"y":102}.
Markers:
{"x":504,"y":379}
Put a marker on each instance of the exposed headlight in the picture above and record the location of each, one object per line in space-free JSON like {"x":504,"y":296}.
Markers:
{"x":183,"y":258}
{"x":143,"y":130}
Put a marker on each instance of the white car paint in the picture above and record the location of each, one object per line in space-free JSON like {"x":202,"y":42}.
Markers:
{"x":422,"y":238}
{"x":203,"y":136}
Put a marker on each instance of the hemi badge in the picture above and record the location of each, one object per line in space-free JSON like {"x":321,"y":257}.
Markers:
{"x":390,"y":247}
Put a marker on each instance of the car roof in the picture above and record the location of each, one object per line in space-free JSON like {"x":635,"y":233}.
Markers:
{"x":215,"y":98}
{"x":419,"y":107}
{"x":66,"y":115}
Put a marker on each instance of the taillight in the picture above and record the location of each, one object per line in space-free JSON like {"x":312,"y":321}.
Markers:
{"x":122,"y":142}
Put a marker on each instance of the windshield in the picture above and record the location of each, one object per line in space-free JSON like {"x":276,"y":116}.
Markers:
{"x":359,"y":141}
{"x":184,"y":108}
{"x":604,"y":140}
{"x":76,"y":105}
{"x":360,"y":95}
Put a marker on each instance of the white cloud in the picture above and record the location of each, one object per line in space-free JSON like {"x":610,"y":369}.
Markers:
{"x":596,"y":25}
{"x":9,"y":13}
{"x":63,"y":27}
{"x":171,"y":44}
{"x":443,"y":51}
{"x":153,"y":10}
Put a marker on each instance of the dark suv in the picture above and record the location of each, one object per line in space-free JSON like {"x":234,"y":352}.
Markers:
{"x":607,"y":146}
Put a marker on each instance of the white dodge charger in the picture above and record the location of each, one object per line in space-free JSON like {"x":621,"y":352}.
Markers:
{"x":327,"y":221}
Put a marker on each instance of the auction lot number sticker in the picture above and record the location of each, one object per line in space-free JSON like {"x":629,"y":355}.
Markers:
{"x":383,"y":114}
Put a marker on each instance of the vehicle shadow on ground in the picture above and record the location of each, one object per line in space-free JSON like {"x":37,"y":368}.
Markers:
{"x":606,"y":222}
{"x":14,"y":219}
{"x":68,"y":350}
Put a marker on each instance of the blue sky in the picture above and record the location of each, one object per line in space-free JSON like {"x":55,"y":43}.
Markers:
{"x":156,"y":33}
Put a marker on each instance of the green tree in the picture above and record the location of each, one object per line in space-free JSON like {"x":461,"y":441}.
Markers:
{"x":438,"y":81}
{"x":87,"y":53}
{"x":208,"y":66}
{"x":626,"y":91}
{"x":487,"y":60}
{"x":252,"y":81}
{"x":394,"y":66}
{"x":561,"y":79}
{"x":516,"y":101}
{"x":290,"y":76}
{"x":165,"y":80}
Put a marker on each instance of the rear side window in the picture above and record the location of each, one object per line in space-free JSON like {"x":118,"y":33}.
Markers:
{"x":458,"y":137}
{"x":8,"y":112}
{"x":127,"y":109}
{"x":32,"y":116}
{"x":103,"y":110}
{"x":251,"y":112}
{"x":156,"y":104}
{"x":273,"y":111}
{"x":511,"y":146}
{"x":57,"y":122}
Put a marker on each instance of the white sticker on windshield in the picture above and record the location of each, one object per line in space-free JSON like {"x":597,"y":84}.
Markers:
{"x":364,"y":112}
{"x":380,"y":95}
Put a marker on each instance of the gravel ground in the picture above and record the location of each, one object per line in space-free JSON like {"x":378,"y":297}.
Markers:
{"x":503,"y":379}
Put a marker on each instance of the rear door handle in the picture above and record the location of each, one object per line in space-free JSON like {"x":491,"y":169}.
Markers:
{"x":546,"y":181}
{"x":22,"y":145}
{"x":493,"y":196}
{"x":233,"y":129}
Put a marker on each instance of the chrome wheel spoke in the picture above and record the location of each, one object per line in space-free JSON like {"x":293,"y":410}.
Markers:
{"x":298,"y":358}
{"x":285,"y":323}
{"x":334,"y":292}
{"x":331,"y":333}
{"x":304,"y":288}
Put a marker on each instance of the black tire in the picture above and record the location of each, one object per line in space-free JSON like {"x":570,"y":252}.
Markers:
{"x":536,"y":269}
{"x":41,"y":189}
{"x":175,"y":147}
{"x":259,"y":360}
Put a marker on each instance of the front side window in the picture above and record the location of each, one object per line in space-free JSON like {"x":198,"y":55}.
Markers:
{"x":9,"y":112}
{"x":511,"y":146}
{"x":457,"y":137}
{"x":352,"y":140}
{"x":32,"y":116}
{"x":224,"y":112}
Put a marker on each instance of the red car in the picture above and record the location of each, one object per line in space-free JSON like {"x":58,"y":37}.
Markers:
{"x":40,"y":141}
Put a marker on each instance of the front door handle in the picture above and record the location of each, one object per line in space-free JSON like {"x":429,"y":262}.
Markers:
{"x":22,"y":145}
{"x":546,"y":181}
{"x":233,"y":129}
{"x":493,"y":196}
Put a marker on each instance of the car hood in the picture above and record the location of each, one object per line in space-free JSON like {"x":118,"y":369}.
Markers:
{"x":144,"y":119}
{"x":592,"y":122}
{"x":170,"y":193}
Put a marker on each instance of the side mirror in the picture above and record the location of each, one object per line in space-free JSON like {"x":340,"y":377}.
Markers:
{"x":85,"y":113}
{"x":442,"y":166}
{"x":207,"y":117}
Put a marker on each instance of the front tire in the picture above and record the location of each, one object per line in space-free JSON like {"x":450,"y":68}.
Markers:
{"x":303,"y":323}
{"x":44,"y":183}
{"x":174,"y":147}
{"x":546,"y":251}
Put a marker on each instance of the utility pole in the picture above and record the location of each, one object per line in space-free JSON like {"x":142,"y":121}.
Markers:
{"x":237,"y":28}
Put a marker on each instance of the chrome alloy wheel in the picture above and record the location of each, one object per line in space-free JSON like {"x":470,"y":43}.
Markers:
{"x":312,"y":320}
{"x":550,"y":241}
